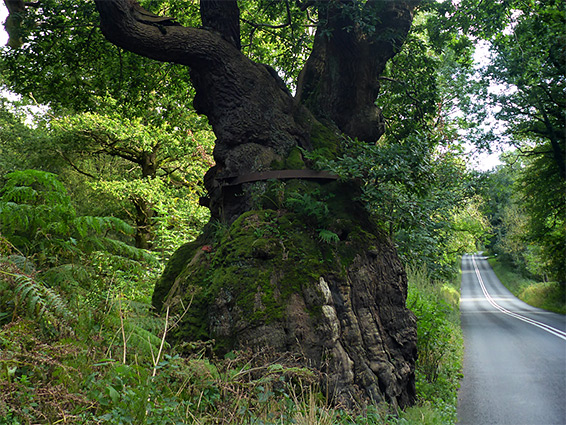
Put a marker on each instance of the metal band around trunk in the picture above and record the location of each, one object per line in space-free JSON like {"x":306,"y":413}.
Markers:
{"x":280,"y":175}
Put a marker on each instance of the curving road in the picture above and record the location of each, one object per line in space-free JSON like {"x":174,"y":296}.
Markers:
{"x":514,"y":358}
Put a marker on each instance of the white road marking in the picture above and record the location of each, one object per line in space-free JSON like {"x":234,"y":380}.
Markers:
{"x":543,"y":326}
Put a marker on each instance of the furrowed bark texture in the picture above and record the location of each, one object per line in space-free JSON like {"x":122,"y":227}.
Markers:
{"x":339,"y":82}
{"x":299,"y":267}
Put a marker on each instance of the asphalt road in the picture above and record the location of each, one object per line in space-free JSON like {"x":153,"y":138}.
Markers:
{"x":514,"y":357}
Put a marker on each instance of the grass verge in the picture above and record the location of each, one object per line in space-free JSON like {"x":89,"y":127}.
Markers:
{"x":440,"y":348}
{"x":549,"y":296}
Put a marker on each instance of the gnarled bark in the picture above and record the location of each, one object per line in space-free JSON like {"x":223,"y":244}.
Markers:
{"x":222,"y":16}
{"x":271,"y":281}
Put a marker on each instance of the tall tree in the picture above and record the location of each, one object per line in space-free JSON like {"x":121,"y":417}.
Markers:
{"x":525,"y":82}
{"x":530,"y":61}
{"x":246,"y":105}
{"x":300,"y":267}
{"x":527,"y":215}
{"x":120,"y":115}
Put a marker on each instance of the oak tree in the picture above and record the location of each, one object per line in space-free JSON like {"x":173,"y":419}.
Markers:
{"x":349,"y":321}
{"x":291,"y":261}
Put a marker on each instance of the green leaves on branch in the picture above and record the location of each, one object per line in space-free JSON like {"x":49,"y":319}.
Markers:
{"x":66,"y":62}
{"x":420,"y":194}
{"x":278,"y":34}
{"x":154,"y":172}
{"x":177,"y":215}
{"x":163,"y":147}
{"x":37,"y":217}
{"x":529,"y":61}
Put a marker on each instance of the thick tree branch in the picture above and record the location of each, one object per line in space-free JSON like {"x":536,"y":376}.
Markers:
{"x":228,"y":85}
{"x":222,"y":16}
{"x":16,"y":10}
{"x":558,"y":153}
{"x":286,"y":24}
{"x":74,"y":166}
{"x":254,"y":119}
{"x":339,"y":81}
{"x":122,"y":25}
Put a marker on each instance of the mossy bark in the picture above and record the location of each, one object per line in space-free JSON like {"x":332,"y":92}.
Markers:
{"x":299,"y":267}
{"x":269,"y":280}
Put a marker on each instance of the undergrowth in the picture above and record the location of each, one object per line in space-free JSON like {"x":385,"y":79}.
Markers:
{"x":80,"y":344}
{"x":549,"y":296}
{"x":109,"y":364}
{"x":440,"y":348}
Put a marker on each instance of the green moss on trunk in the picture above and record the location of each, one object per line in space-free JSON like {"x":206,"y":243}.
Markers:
{"x":274,"y":278}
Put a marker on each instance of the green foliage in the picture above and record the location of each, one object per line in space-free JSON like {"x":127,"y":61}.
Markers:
{"x":286,"y":49}
{"x":526,"y":207}
{"x":152,"y":173}
{"x":68,"y":261}
{"x":314,"y":208}
{"x":25,"y":294}
{"x":37,"y":217}
{"x":544,"y":202}
{"x":61,"y":63}
{"x":109,"y":113}
{"x":177,"y":216}
{"x":328,"y":236}
{"x":40,"y":300}
{"x":45,"y":373}
{"x":146,"y":174}
{"x":529,"y":60}
{"x":421,"y":196}
{"x":410,"y":93}
{"x":550,"y":296}
{"x":18,"y":141}
{"x":309,"y":205}
{"x":113,"y":111}
{"x":440,"y":342}
{"x":524,"y":86}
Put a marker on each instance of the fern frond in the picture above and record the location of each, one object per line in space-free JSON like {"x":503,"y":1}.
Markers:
{"x":42,"y":301}
{"x":19,"y":194}
{"x":67,"y":277}
{"x":30,"y":177}
{"x":67,"y":246}
{"x":121,"y":226}
{"x":327,"y":236}
{"x":13,"y":215}
{"x":100,"y":225}
{"x":125,"y":250}
{"x":23,"y":263}
{"x":141,"y":337}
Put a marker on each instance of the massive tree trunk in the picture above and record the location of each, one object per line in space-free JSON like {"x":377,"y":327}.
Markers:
{"x":299,"y":266}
